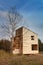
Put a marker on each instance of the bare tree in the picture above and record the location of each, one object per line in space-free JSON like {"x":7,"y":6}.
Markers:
{"x":14,"y":19}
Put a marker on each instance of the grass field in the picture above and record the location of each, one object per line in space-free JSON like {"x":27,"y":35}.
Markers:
{"x":9,"y":59}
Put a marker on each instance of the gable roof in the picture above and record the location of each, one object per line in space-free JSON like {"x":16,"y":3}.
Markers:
{"x":27,"y":29}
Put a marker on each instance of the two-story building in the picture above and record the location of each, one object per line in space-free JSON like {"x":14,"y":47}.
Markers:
{"x":26,"y":42}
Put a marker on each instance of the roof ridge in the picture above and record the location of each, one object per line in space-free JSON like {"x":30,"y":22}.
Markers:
{"x":27,"y":29}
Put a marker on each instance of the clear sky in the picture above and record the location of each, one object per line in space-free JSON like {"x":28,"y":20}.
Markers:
{"x":32,"y":11}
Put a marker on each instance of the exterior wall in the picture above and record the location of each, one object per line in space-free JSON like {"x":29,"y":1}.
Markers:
{"x":27,"y":42}
{"x":16,"y":46}
{"x":19,"y":33}
{"x":18,"y":42}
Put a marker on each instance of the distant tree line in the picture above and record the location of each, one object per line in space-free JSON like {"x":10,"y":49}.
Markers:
{"x":40,"y":45}
{"x":5,"y":45}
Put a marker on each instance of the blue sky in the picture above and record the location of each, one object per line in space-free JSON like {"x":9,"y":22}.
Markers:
{"x":32,"y":11}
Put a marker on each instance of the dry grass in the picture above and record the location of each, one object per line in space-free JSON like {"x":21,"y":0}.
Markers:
{"x":9,"y":59}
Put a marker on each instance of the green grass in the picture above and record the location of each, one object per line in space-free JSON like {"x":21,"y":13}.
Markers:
{"x":9,"y":59}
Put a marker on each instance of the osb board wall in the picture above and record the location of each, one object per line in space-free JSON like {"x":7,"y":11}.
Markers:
{"x":18,"y":40}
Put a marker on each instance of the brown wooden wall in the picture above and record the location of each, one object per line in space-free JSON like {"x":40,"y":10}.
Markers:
{"x":18,"y":40}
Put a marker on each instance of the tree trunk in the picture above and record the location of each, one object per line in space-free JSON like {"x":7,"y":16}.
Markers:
{"x":12,"y":43}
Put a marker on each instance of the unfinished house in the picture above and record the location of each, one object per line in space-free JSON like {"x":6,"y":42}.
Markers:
{"x":26,"y":42}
